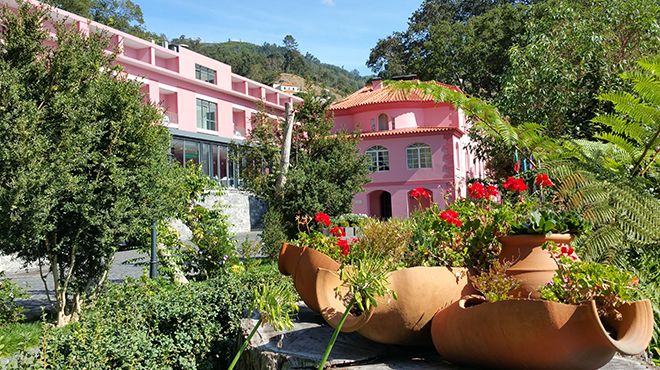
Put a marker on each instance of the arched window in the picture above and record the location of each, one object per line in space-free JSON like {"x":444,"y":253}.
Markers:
{"x":419,"y":156}
{"x":380,"y":158}
{"x":383,"y":122}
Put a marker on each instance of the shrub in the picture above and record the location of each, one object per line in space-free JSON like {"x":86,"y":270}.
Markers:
{"x":273,"y":234}
{"x":9,"y":291}
{"x":151,"y":324}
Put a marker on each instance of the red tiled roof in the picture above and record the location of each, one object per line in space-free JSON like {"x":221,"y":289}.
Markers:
{"x":367,"y":95}
{"x":406,"y":131}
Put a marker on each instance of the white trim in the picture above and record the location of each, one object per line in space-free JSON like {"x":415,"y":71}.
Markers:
{"x":167,"y":87}
{"x":207,"y":98}
{"x":208,"y":132}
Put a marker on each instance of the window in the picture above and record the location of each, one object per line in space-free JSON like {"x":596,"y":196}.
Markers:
{"x":211,"y":156}
{"x":204,"y":73}
{"x":419,"y":156}
{"x":206,"y":114}
{"x":380,"y":158}
{"x":383,"y":122}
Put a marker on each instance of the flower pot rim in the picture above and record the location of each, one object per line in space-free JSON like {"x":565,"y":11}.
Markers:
{"x":353,"y":323}
{"x":539,"y":236}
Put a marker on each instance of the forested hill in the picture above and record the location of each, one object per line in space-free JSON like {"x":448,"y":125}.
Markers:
{"x":265,"y":63}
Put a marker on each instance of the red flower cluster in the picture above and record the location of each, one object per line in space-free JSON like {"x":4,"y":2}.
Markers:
{"x":514,"y":184}
{"x":543,"y":180}
{"x":567,"y":251}
{"x":345,"y":247}
{"x":451,"y":217}
{"x":477,"y":190}
{"x":322,"y":218}
{"x":420,"y":193}
{"x":338,"y":231}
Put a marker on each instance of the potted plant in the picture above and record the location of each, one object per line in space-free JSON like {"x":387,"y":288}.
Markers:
{"x":588,"y":313}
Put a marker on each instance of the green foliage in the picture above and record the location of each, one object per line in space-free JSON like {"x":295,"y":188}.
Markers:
{"x":364,"y":280}
{"x":350,"y":219}
{"x":578,"y":282}
{"x":10,"y":312}
{"x":276,"y":303}
{"x":464,"y":43}
{"x":495,"y":284}
{"x":388,"y":240}
{"x":273,"y":235}
{"x":634,"y":130}
{"x":151,"y":324}
{"x":15,"y":337}
{"x":547,"y":221}
{"x":572,"y":51}
{"x":84,"y":166}
{"x":325,"y":170}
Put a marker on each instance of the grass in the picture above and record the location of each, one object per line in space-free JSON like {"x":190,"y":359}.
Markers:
{"x":17,"y":336}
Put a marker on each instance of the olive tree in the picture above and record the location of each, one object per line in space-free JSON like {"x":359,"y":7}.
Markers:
{"x":83,"y":163}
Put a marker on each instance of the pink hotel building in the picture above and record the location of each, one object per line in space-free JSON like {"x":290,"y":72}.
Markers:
{"x":205,"y":105}
{"x":412,"y":142}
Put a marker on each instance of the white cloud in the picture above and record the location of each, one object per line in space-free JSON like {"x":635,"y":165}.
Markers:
{"x":328,"y":2}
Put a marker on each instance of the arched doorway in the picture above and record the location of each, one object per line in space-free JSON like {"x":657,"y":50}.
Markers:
{"x":380,"y":204}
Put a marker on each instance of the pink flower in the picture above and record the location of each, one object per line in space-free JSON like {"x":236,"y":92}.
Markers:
{"x":514,"y":184}
{"x":322,"y":218}
{"x":543,"y":180}
{"x":420,"y":193}
{"x":451,"y":217}
{"x":338,"y":231}
{"x":477,"y":190}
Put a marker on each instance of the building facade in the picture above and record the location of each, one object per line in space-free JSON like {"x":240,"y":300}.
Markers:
{"x":411,"y":142}
{"x":205,"y":105}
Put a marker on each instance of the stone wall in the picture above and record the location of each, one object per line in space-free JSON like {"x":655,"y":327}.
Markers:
{"x":244,"y":211}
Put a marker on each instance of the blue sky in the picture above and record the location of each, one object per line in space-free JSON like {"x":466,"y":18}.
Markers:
{"x":340,"y":32}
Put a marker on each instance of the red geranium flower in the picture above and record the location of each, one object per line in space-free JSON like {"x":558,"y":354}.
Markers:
{"x":491,"y":191}
{"x":477,"y":190}
{"x":338,"y":231}
{"x":542,"y":179}
{"x":451,"y":217}
{"x":322,"y":218}
{"x":420,"y":193}
{"x":514,"y":184}
{"x":345,"y":247}
{"x":567,"y":251}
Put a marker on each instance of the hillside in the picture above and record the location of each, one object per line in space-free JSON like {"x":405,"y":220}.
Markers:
{"x":267,"y":64}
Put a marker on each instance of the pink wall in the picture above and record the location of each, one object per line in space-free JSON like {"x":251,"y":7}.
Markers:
{"x":404,"y":115}
{"x":153,"y":65}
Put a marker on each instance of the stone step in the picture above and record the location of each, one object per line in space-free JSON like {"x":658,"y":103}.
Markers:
{"x":303,"y":346}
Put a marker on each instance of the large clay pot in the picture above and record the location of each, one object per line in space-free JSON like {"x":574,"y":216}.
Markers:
{"x":288,"y":259}
{"x":420,"y":291}
{"x":535,"y":334}
{"x":301,"y":264}
{"x":533,"y":266}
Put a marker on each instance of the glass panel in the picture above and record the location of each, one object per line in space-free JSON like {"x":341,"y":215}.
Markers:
{"x":382,"y":123}
{"x":177,"y":150}
{"x":384,"y":160}
{"x":192,"y":151}
{"x":222,"y":162}
{"x":205,"y":158}
{"x":200,"y":115}
{"x":425,"y":157}
{"x":214,"y":162}
{"x":412,"y":157}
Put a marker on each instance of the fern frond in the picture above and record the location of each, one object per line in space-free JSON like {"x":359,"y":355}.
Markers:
{"x":631,"y":150}
{"x":623,"y":127}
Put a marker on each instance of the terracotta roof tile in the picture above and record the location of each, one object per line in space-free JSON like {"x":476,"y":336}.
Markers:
{"x":367,"y":95}
{"x":406,"y":131}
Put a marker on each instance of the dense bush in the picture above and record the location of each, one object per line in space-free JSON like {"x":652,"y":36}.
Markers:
{"x":153,"y":324}
{"x":9,"y":291}
{"x":273,"y":234}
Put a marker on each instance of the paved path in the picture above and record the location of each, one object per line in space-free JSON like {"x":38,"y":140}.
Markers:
{"x":303,"y":346}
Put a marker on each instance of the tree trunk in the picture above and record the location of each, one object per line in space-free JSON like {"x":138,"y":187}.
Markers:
{"x":164,"y":256}
{"x":286,"y":148}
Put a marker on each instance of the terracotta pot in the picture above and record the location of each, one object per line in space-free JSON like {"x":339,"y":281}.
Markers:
{"x":288,"y":260}
{"x":535,"y":334}
{"x":304,"y":277}
{"x":420,"y":291}
{"x":532,"y":265}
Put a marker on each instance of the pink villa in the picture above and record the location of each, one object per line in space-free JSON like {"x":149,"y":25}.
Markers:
{"x":205,"y":105}
{"x":412,"y":142}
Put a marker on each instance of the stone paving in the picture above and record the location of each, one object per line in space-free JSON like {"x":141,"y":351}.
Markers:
{"x":303,"y":346}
